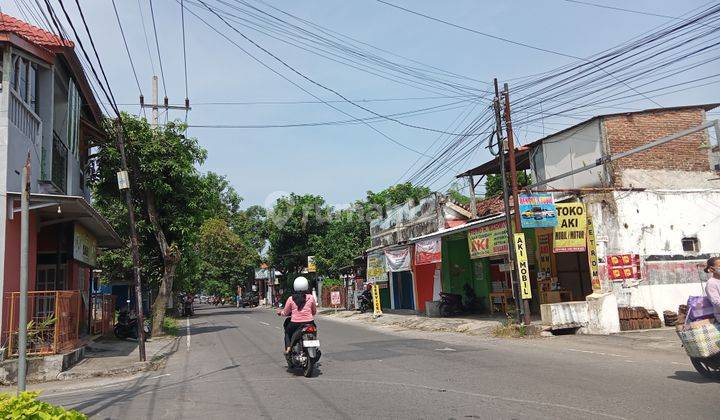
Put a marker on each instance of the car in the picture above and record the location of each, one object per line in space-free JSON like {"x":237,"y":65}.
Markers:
{"x":538,"y":213}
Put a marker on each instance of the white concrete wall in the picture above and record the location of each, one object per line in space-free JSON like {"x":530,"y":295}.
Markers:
{"x":660,"y":297}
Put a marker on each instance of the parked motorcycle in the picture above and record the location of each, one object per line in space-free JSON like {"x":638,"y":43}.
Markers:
{"x":304,"y":349}
{"x":187,"y":306}
{"x":127,"y":326}
{"x":365,"y":302}
{"x":450,"y":304}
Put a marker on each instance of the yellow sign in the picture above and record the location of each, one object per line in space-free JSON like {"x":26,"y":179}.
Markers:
{"x":569,"y":234}
{"x":311,"y":267}
{"x":523,"y":269}
{"x":592,"y":255}
{"x":489,"y":240}
{"x":377,"y":311}
{"x":544,"y":251}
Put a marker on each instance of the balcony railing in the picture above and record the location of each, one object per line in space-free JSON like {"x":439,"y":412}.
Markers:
{"x":53,"y":321}
{"x":22,"y":117}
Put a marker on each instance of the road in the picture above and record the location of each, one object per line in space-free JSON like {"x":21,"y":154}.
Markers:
{"x":231,"y":366}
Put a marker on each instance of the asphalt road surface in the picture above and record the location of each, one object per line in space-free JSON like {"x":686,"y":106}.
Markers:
{"x":231,"y":366}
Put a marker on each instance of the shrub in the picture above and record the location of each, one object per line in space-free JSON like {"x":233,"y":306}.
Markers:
{"x":26,"y":406}
{"x":170,"y":326}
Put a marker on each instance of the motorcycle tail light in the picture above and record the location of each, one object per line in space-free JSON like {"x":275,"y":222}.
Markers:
{"x":310,"y":329}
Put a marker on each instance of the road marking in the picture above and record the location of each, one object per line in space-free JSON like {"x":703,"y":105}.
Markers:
{"x":187,"y":335}
{"x":445,"y":349}
{"x":598,"y":353}
{"x":265,"y":323}
{"x":160,"y":376}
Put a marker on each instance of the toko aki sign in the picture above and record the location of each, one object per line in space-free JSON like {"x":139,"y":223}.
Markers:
{"x":569,"y":234}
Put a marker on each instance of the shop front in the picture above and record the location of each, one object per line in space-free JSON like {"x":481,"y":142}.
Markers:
{"x":377,"y":274}
{"x":427,"y":266}
{"x":462,"y":274}
{"x":402,"y":286}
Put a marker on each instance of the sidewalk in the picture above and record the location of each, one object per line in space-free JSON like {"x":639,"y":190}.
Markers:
{"x":110,"y":356}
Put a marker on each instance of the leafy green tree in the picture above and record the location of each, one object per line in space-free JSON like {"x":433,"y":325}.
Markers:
{"x":347,"y":237}
{"x":225,"y":259}
{"x":493,"y":184}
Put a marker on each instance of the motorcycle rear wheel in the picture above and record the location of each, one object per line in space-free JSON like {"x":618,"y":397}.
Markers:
{"x":309,"y":368}
{"x":707,"y":370}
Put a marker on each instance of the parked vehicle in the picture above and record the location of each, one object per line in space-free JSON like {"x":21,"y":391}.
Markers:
{"x":250,"y":300}
{"x":304,"y":349}
{"x":127,"y":326}
{"x":365,"y":302}
{"x":187,"y":305}
{"x":450,"y":304}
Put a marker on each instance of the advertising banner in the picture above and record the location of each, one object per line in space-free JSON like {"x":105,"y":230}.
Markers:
{"x":623,"y":267}
{"x":428,"y":251}
{"x":335,"y":298}
{"x":537,"y":210}
{"x":523,"y":269}
{"x":544,"y":251}
{"x":376,"y":268}
{"x":569,"y":234}
{"x":398,"y":260}
{"x":84,"y":246}
{"x":311,"y":267}
{"x":488,"y":241}
{"x":592,"y":255}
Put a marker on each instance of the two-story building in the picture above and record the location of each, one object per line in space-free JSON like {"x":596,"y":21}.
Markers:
{"x":47,"y":111}
{"x":655,"y":213}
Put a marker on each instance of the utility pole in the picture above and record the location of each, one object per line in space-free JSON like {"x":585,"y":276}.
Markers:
{"x":506,"y":202}
{"x":156,"y":106}
{"x":513,"y":181}
{"x":24,"y":258}
{"x":473,"y":199}
{"x":124,"y":184}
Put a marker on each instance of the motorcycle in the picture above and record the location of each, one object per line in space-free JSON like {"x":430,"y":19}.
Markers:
{"x":187,"y":306}
{"x":304,"y":349}
{"x":708,"y":367}
{"x":127,"y":326}
{"x":450,"y":304}
{"x":365,"y":302}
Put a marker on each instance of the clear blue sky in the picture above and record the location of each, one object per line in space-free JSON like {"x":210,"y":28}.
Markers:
{"x":342,"y":162}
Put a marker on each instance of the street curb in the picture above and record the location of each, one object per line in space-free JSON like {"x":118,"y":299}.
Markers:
{"x":155,"y":363}
{"x":453,"y":325}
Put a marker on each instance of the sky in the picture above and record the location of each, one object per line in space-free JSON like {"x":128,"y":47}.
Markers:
{"x":342,"y":162}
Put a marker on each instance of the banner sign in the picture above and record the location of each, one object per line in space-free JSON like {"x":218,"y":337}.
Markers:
{"x":84,"y":246}
{"x":377,"y":310}
{"x":376,"y":268}
{"x":623,"y":267}
{"x":262,"y":274}
{"x":428,"y":251}
{"x":569,"y":234}
{"x":544,"y":251}
{"x":335,"y":298}
{"x":488,"y":241}
{"x":537,"y":210}
{"x":592,"y":255}
{"x":311,"y":267}
{"x":398,"y":259}
{"x":522,"y":266}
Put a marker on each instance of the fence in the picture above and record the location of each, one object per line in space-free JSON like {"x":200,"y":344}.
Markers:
{"x":53,"y":321}
{"x":103,"y":314}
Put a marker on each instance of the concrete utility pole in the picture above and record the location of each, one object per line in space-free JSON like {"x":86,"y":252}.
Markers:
{"x":513,"y":182}
{"x":133,"y":241}
{"x":506,"y":202}
{"x":156,"y":106}
{"x":473,"y":199}
{"x":24,"y":258}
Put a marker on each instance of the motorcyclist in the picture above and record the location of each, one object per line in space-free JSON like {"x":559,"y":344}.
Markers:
{"x":301,"y":308}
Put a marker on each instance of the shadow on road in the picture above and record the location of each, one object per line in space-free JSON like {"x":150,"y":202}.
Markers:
{"x":691,"y":376}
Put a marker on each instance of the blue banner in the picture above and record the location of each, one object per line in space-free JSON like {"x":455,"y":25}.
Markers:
{"x":537,"y":210}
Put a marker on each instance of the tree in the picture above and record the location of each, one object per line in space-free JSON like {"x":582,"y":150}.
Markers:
{"x":454,"y":193}
{"x":493,"y":184}
{"x":226,"y":258}
{"x":347,"y":237}
{"x":168,"y":190}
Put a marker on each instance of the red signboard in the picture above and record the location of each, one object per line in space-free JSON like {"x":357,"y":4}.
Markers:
{"x":623,"y":267}
{"x":428,"y":251}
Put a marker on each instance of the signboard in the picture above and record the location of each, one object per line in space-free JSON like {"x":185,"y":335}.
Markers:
{"x":623,"y":267}
{"x":428,"y":251}
{"x":523,"y":268}
{"x":84,"y":246}
{"x":488,"y":241}
{"x":377,"y":311}
{"x":335,"y":298}
{"x":376,"y":268}
{"x":544,"y":251}
{"x":592,"y":255}
{"x":262,"y":274}
{"x":398,"y":259}
{"x":569,"y":234}
{"x":311,"y":267}
{"x":537,"y":210}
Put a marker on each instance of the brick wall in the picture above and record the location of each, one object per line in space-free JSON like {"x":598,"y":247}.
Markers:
{"x":624,"y":132}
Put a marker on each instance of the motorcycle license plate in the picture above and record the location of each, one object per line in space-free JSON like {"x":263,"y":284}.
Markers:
{"x":311,"y":343}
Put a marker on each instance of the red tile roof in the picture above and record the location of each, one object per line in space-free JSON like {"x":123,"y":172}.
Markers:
{"x":32,"y":33}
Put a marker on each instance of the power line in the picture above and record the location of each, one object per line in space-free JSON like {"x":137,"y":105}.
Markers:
{"x":603,"y":6}
{"x":182,"y":21}
{"x":157,"y":45}
{"x":127,"y":49}
{"x":147,"y":40}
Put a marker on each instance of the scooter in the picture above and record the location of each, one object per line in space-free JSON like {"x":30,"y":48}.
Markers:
{"x":708,"y":367}
{"x":127,"y":326}
{"x":365,"y":301}
{"x":187,"y":307}
{"x":304,"y":349}
{"x":450,"y":304}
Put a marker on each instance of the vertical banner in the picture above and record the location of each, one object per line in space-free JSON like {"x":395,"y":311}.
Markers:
{"x":311,"y":267}
{"x":377,"y":311}
{"x":376,"y":268}
{"x":592,"y":255}
{"x":569,"y":234}
{"x":523,"y":269}
{"x":544,"y":251}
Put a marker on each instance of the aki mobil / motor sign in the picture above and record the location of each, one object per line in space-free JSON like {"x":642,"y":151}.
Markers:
{"x":569,"y":234}
{"x":537,"y":210}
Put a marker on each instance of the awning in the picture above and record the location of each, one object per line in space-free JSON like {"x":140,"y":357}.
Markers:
{"x":71,"y":209}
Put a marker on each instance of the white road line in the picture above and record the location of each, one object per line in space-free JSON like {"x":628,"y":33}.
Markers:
{"x":597,"y":352}
{"x":160,"y":376}
{"x":265,"y":323}
{"x":187,"y":335}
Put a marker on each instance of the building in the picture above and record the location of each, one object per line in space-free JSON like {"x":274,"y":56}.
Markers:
{"x":655,"y":210}
{"x":47,"y":109}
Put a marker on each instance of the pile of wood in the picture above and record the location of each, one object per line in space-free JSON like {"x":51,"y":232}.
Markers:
{"x":638,"y":318}
{"x":670,"y":317}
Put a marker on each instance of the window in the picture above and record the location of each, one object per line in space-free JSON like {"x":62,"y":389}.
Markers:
{"x":73,"y":123}
{"x":24,"y":81}
{"x":59,"y":164}
{"x":690,"y":245}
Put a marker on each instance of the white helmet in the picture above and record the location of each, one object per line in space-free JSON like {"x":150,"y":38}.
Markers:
{"x":301,"y":284}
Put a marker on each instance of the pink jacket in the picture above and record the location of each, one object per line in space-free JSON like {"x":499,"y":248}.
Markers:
{"x":307,"y":312}
{"x":712,"y":289}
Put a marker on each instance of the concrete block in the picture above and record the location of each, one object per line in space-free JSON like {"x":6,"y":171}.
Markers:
{"x":603,"y":315}
{"x":564,"y":315}
{"x":432,"y":308}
